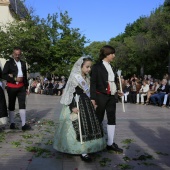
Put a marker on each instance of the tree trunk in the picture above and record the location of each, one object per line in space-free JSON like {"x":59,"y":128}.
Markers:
{"x":169,"y":65}
{"x":142,"y":71}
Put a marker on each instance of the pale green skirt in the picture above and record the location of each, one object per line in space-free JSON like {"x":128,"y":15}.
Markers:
{"x":65,"y":137}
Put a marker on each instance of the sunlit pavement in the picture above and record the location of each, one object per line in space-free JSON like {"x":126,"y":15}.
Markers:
{"x":142,"y":131}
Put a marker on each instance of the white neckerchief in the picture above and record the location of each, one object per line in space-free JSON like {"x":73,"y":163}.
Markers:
{"x":20,"y":73}
{"x":111,"y":76}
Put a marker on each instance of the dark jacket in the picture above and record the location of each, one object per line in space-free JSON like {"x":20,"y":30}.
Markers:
{"x":0,"y":73}
{"x":11,"y":68}
{"x":166,"y":90}
{"x":98,"y":80}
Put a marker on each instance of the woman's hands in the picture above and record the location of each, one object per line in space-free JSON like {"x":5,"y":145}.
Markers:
{"x":94,"y":103}
{"x":75,"y":110}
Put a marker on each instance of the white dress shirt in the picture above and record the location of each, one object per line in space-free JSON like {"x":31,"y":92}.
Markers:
{"x":20,"y":73}
{"x":111,"y":77}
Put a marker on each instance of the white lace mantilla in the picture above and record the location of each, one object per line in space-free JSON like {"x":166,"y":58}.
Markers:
{"x":72,"y":83}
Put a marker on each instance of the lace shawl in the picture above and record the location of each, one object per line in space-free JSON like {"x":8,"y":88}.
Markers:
{"x":72,"y":83}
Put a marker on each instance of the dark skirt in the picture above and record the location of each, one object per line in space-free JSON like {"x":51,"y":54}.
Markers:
{"x":3,"y":106}
{"x":91,"y":129}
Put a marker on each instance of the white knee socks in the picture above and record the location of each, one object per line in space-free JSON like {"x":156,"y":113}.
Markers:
{"x":110,"y":133}
{"x":11,"y":116}
{"x":23,"y":116}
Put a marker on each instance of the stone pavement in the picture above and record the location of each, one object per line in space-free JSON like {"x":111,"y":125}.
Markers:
{"x":143,"y":132}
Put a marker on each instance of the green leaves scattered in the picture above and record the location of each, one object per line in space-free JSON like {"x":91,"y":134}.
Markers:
{"x":147,"y":164}
{"x":16,"y":144}
{"x":104,"y":162}
{"x":143,"y":157}
{"x":127,"y":141}
{"x":2,"y":136}
{"x":27,"y":136}
{"x":126,"y":159}
{"x":49,"y":142}
{"x":160,"y":153}
{"x":125,"y":166}
{"x":38,"y":151}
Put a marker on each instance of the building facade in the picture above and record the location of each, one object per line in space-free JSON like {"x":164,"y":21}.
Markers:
{"x":8,"y":10}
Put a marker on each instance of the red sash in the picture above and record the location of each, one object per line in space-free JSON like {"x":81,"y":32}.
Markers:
{"x":11,"y":85}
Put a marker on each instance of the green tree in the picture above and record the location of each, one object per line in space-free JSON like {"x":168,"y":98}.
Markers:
{"x":49,"y":45}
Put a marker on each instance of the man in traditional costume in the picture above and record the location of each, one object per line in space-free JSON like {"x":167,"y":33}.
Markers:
{"x":102,"y":93}
{"x":15,"y":73}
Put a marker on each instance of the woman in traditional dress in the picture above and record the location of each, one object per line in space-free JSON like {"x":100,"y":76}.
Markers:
{"x":3,"y":107}
{"x":68,"y":132}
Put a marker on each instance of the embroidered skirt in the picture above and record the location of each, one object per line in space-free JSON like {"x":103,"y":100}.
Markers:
{"x":67,"y":136}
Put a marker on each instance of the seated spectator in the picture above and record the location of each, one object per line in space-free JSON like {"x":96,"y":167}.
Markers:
{"x":135,"y":87}
{"x":133,"y":78}
{"x":38,"y":89}
{"x":55,"y":88}
{"x":60,"y":88}
{"x":143,"y":92}
{"x":126,"y":91}
{"x":166,"y":97}
{"x":45,"y":89}
{"x":150,"y":84}
{"x":145,"y":77}
{"x":161,"y":92}
{"x":41,"y":87}
{"x":152,"y":91}
{"x":50,"y":87}
{"x":33,"y":85}
{"x":169,"y":100}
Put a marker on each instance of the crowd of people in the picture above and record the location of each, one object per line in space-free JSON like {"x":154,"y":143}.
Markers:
{"x":147,"y":90}
{"x":47,"y":86}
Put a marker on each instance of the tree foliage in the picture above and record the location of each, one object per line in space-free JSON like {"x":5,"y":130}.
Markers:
{"x":48,"y":45}
{"x":144,"y":47}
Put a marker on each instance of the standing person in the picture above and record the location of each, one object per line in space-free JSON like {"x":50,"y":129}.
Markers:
{"x":3,"y":107}
{"x":15,"y":74}
{"x":103,"y":90}
{"x":67,"y":136}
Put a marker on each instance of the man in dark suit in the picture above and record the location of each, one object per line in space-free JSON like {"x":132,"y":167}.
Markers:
{"x":103,"y":90}
{"x":161,"y":92}
{"x":15,"y":73}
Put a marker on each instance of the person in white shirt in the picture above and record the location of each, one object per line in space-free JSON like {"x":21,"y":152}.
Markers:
{"x":103,"y":92}
{"x":142,"y":92}
{"x":15,"y":73}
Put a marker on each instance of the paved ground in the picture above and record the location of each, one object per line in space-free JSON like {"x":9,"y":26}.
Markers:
{"x":143,"y":132}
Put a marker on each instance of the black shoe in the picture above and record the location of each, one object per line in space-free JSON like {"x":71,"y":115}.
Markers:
{"x":26,"y":127}
{"x":12,"y":126}
{"x":86,"y":158}
{"x":114,"y":147}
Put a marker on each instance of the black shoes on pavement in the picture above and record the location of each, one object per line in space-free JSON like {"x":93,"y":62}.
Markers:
{"x":12,"y":126}
{"x":86,"y":158}
{"x":24,"y":128}
{"x":114,"y":147}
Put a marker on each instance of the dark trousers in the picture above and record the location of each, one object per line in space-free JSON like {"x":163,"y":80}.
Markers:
{"x":106,"y":103}
{"x":132,"y":97}
{"x":14,"y":93}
